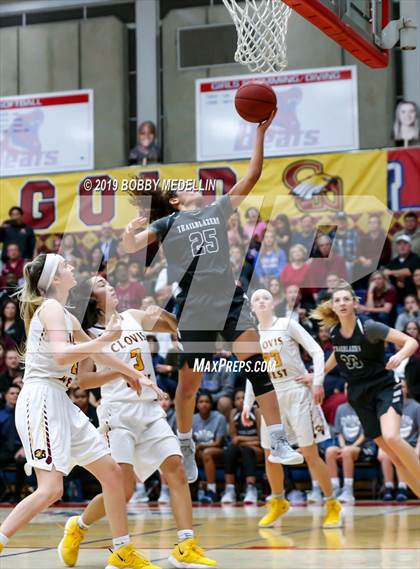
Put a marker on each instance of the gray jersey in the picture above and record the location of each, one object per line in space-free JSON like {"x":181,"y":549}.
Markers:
{"x":196,"y":245}
{"x":361,"y":358}
{"x":208,"y":431}
{"x":347,"y":423}
{"x":410,"y":421}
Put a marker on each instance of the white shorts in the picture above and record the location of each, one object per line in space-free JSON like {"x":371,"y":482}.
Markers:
{"x":54,"y":432}
{"x":303,"y":421}
{"x":138,"y":434}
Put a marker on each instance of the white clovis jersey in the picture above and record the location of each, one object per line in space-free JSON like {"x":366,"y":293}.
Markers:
{"x":133,"y":349}
{"x":40,"y":364}
{"x":280,"y":344}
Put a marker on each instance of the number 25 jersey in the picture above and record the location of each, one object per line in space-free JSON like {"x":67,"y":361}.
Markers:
{"x":361,"y":358}
{"x":196,"y":247}
{"x":133,"y":349}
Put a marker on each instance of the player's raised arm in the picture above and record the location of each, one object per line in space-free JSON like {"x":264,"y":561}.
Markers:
{"x":134,"y":241}
{"x":242,"y":188}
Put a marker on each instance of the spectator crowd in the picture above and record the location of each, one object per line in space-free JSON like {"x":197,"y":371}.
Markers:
{"x":278,"y":255}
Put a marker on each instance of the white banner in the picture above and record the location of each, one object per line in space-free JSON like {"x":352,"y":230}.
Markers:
{"x":317,"y":112}
{"x":47,"y":132}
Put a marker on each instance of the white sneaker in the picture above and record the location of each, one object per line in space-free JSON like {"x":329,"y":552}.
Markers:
{"x":164,"y":497}
{"x":251,"y":496}
{"x":315,"y":495}
{"x":346,"y":496}
{"x":229,"y":496}
{"x":188,"y":453}
{"x":140,"y":496}
{"x":282,"y":453}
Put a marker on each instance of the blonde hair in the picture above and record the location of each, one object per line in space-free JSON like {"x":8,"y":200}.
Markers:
{"x":29,"y":295}
{"x":298,"y":247}
{"x":324,"y":313}
{"x":387,"y":284}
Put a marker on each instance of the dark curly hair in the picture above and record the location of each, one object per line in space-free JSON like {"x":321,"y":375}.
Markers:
{"x":84,"y":305}
{"x":159,"y":206}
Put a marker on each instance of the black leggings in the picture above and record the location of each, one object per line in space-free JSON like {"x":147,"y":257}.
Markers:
{"x":249,"y":460}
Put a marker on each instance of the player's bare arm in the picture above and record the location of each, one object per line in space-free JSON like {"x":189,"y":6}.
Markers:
{"x":89,"y":378}
{"x":408,"y":346}
{"x":52,"y":318}
{"x":134,"y":378}
{"x":241,"y":189}
{"x":133,"y":240}
{"x":155,"y":319}
{"x":330,"y":364}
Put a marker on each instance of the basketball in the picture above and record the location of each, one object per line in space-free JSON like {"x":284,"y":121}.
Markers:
{"x":255,"y":102}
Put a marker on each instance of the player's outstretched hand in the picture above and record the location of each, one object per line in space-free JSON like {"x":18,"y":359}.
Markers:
{"x":305,"y":379}
{"x":245,"y":417}
{"x":145,"y":381}
{"x":394,"y":362}
{"x":134,"y":383}
{"x":318,"y":394}
{"x":263,"y":126}
{"x":138,"y":223}
{"x":113,"y":330}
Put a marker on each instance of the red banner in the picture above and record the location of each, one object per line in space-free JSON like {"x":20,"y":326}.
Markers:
{"x":404,"y":178}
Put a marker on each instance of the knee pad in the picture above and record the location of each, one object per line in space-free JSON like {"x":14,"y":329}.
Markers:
{"x":261,"y":382}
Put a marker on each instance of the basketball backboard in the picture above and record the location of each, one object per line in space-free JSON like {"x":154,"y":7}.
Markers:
{"x":362,"y":27}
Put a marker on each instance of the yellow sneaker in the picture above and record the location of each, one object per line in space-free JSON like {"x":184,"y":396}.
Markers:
{"x":68,"y":548}
{"x":277,"y":507}
{"x":128,"y":558}
{"x":333,"y":516}
{"x":188,"y":554}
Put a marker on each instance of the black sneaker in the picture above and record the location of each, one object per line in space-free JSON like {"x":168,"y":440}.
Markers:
{"x":401,"y":495}
{"x":388,"y":495}
{"x":210,"y":497}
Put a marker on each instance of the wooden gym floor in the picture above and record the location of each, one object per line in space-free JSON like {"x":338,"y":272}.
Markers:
{"x":376,"y":536}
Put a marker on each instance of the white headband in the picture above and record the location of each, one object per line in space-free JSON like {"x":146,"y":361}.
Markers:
{"x":48,"y":272}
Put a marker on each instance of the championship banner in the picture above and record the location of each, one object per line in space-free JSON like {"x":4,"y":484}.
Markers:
{"x":320,"y":185}
{"x":48,"y":132}
{"x":317,"y":112}
{"x":404,"y":178}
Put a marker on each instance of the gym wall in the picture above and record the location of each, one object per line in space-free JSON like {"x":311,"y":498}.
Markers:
{"x":80,"y":54}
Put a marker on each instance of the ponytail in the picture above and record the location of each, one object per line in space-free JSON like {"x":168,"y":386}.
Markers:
{"x":324,"y":313}
{"x":29,"y":295}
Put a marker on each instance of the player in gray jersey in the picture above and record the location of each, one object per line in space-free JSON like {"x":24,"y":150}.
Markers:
{"x":410,"y":430}
{"x":372,"y":390}
{"x":194,"y":239}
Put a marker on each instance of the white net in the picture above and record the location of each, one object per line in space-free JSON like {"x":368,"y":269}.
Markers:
{"x":262,"y":29}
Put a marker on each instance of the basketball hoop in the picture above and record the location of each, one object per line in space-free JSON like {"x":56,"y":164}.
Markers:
{"x":262,"y":29}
